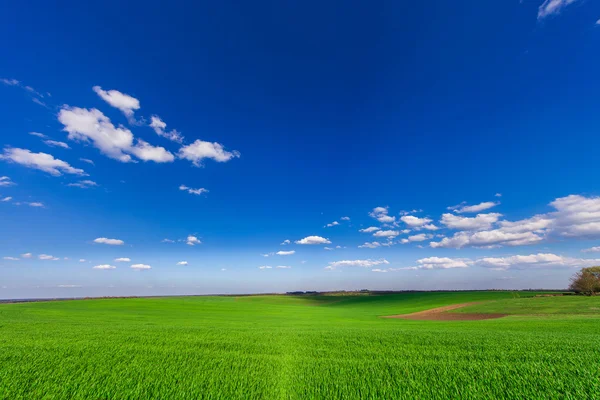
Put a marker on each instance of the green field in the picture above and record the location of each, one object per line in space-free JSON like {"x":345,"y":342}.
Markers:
{"x":284,"y":347}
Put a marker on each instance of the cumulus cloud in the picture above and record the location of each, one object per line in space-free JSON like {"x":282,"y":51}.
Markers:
{"x":200,"y":150}
{"x":474,"y":208}
{"x":192,"y":190}
{"x":285,"y":242}
{"x":124,"y":102}
{"x":591,"y":250}
{"x":479,"y":222}
{"x":416,"y":238}
{"x":286,"y":253}
{"x":345,"y":218}
{"x":113,"y":242}
{"x":492,"y":238}
{"x":47,"y":257}
{"x":386,"y":234}
{"x":117,"y":143}
{"x":6,"y":181}
{"x":334,"y":223}
{"x":313,"y":240}
{"x":576,"y":216}
{"x":381,"y":215}
{"x":192,"y":240}
{"x":123,"y":259}
{"x":415,"y":222}
{"x":140,"y":266}
{"x":356,"y":263}
{"x":182,"y":263}
{"x":103,"y":266}
{"x":369,"y":229}
{"x":552,"y":7}
{"x":159,"y":127}
{"x":369,"y":245}
{"x":85,"y":184}
{"x":41,"y":161}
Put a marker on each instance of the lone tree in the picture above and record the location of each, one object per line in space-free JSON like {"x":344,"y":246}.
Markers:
{"x":586,"y":281}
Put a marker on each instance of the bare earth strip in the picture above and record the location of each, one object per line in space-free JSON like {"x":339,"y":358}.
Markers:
{"x":441,"y":314}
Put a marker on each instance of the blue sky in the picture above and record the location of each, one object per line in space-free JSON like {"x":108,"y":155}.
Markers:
{"x":464,"y":136}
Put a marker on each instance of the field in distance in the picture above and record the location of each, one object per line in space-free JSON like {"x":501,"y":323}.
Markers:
{"x":299,"y":347}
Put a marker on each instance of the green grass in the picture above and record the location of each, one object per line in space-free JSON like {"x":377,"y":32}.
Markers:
{"x":283,"y":347}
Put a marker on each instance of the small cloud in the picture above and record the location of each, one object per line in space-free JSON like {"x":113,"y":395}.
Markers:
{"x":265,"y":267}
{"x":345,"y":218}
{"x":591,"y":250}
{"x":159,"y":127}
{"x":327,"y":248}
{"x":10,"y":82}
{"x":285,"y":242}
{"x":370,"y":245}
{"x":552,"y":7}
{"x":40,"y":135}
{"x":103,"y":266}
{"x":498,"y":195}
{"x":47,"y":257}
{"x":140,"y":266}
{"x":223,"y":269}
{"x":85,"y":160}
{"x":199,"y":150}
{"x":182,"y":263}
{"x":69,"y":286}
{"x":369,"y":229}
{"x":387,"y":234}
{"x":26,"y":255}
{"x":6,"y":199}
{"x":167,"y":241}
{"x":313,"y":240}
{"x":123,"y":259}
{"x":35,"y":204}
{"x":283,"y":267}
{"x":334,"y":223}
{"x":54,"y":143}
{"x":379,"y":270}
{"x":285,"y":253}
{"x":124,"y":102}
{"x":112,"y":242}
{"x":85,"y":184}
{"x":11,"y":258}
{"x":193,"y":191}
{"x":82,"y":260}
{"x":193,"y":240}
{"x":40,"y":161}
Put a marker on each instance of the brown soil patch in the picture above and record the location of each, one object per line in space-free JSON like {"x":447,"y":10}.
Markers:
{"x":442,"y":314}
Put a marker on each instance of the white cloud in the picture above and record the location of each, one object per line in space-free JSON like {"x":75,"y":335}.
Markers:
{"x":369,"y":245}
{"x":379,"y":270}
{"x":85,"y":184}
{"x":54,"y":143}
{"x":416,"y":238}
{"x":345,"y":218}
{"x":167,"y":241}
{"x":127,"y":104}
{"x":265,"y":267}
{"x":140,"y":266}
{"x":193,"y":191}
{"x":268,"y":254}
{"x":182,"y":263}
{"x":540,"y":260}
{"x":159,"y":127}
{"x":82,"y":260}
{"x":5,"y":181}
{"x":474,"y":208}
{"x":113,"y":242}
{"x":103,"y":266}
{"x":415,"y":222}
{"x":328,"y":248}
{"x":498,"y":195}
{"x":26,"y":255}
{"x":11,"y":258}
{"x":6,"y":199}
{"x":123,"y":259}
{"x":41,"y":161}
{"x":38,"y":134}
{"x":442,"y":263}
{"x":117,"y":143}
{"x":576,"y":216}
{"x":591,"y":250}
{"x":334,"y":223}
{"x":381,"y":215}
{"x":10,"y":82}
{"x":199,"y":150}
{"x":193,"y":240}
{"x":35,"y":204}
{"x":283,"y":267}
{"x":493,"y":238}
{"x":356,"y":263}
{"x":313,"y":240}
{"x":146,"y":152}
{"x":47,"y":257}
{"x":550,"y":7}
{"x":87,"y":161}
{"x":286,"y":253}
{"x":479,"y":222}
{"x":387,"y":234}
{"x":285,"y":242}
{"x":369,"y":229}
